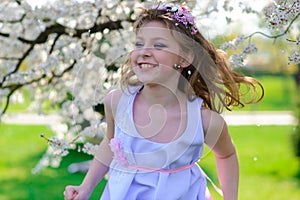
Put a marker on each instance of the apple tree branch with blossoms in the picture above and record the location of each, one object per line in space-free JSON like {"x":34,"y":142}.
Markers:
{"x":281,"y":17}
{"x":68,"y":53}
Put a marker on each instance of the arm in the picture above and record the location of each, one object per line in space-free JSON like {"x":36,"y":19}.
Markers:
{"x":218,"y":139}
{"x":103,"y":157}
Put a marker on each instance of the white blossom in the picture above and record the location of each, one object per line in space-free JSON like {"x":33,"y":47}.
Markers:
{"x":279,"y":15}
{"x":237,"y":60}
{"x":237,"y":44}
{"x":250,"y":48}
{"x":4,"y":92}
{"x":234,"y":44}
{"x":90,"y":148}
{"x":60,"y":146}
{"x":295,"y":57}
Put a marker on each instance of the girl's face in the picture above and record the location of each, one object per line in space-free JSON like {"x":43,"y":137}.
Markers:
{"x":156,"y":51}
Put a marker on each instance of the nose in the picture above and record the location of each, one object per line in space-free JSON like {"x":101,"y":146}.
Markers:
{"x":145,"y":51}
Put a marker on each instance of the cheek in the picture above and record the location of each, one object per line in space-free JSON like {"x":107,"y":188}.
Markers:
{"x":133,"y":58}
{"x":168,"y":59}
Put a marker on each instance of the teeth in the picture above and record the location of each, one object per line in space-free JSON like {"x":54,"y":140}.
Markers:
{"x":144,"y":66}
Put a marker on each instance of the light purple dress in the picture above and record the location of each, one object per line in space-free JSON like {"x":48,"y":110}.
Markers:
{"x":147,"y":170}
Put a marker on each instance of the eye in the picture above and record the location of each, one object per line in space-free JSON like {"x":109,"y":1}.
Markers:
{"x":159,"y":46}
{"x":139,"y":44}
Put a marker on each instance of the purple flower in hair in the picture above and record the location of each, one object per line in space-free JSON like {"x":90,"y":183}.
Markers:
{"x":180,"y":14}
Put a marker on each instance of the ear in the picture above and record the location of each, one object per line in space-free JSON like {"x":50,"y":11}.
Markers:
{"x":187,"y":60}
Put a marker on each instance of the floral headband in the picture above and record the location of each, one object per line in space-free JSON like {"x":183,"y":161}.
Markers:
{"x":180,"y":13}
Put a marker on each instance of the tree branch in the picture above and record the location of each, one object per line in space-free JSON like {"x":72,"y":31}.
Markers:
{"x":275,"y":36}
{"x":8,"y":100}
{"x":54,"y":42}
{"x":42,"y":38}
{"x":14,"y":21}
{"x":15,"y":87}
{"x":9,"y":58}
{"x":4,"y":34}
{"x":61,"y":30}
{"x":60,"y":75}
{"x":18,"y":64}
{"x":18,"y":2}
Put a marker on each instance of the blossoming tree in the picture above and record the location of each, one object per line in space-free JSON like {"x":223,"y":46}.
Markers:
{"x":67,"y":53}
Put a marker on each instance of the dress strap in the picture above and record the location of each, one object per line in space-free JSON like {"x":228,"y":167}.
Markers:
{"x":123,"y":119}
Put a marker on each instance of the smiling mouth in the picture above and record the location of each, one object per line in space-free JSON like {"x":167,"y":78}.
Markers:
{"x":146,"y":66}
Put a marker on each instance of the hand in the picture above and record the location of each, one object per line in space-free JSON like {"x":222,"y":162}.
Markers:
{"x":75,"y":193}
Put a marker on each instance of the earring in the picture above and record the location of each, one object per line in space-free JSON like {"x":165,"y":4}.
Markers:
{"x":189,"y":72}
{"x":176,"y":67}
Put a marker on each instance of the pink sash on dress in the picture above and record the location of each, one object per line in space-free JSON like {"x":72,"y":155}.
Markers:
{"x":120,"y":157}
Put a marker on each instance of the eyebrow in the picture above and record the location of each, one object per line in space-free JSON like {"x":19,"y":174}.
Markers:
{"x":155,"y":38}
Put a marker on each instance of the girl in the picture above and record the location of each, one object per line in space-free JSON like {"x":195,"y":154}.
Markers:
{"x":175,"y":84}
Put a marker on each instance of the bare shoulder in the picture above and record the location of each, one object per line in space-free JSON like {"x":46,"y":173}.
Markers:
{"x":113,"y":95}
{"x":112,"y":99}
{"x":211,"y":120}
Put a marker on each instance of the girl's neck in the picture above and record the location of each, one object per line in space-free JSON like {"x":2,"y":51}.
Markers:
{"x":156,"y":94}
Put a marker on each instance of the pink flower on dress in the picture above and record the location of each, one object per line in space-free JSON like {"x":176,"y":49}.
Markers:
{"x":119,"y":154}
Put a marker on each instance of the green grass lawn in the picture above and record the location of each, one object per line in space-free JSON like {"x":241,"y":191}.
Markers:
{"x":268,"y":169}
{"x":280,"y":93}
{"x":21,"y":148}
